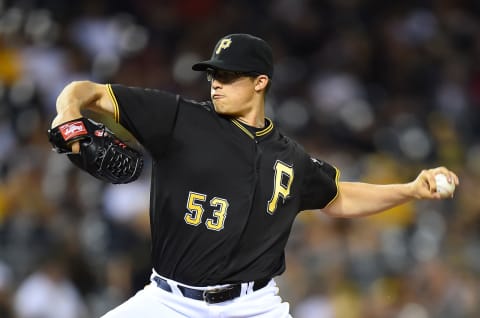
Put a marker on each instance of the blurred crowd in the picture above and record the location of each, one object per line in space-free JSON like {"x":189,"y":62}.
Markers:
{"x":380,"y":89}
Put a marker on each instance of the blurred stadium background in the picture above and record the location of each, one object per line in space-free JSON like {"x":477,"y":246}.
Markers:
{"x":381,"y":89}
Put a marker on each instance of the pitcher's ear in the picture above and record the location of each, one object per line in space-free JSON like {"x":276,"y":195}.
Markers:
{"x":261,"y":82}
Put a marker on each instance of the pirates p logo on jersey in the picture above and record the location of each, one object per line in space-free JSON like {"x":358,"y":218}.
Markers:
{"x":281,"y":184}
{"x":224,"y":44}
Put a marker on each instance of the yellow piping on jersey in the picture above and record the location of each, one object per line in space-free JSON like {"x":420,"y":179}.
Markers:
{"x":116,"y":112}
{"x":260,"y":133}
{"x":266,"y":130}
{"x":337,"y":178}
{"x":245,"y":130}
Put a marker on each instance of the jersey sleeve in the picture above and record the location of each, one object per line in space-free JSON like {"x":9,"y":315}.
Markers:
{"x":320,"y":186}
{"x":148,"y":114}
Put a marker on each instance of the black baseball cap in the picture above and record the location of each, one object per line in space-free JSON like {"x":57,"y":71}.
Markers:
{"x":240,"y":53}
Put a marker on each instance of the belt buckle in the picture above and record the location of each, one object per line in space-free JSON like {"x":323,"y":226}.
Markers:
{"x":216,"y":295}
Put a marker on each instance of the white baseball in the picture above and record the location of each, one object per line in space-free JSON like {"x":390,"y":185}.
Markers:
{"x":444,"y":187}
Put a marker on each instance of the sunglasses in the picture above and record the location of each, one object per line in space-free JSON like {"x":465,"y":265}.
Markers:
{"x":227,"y":77}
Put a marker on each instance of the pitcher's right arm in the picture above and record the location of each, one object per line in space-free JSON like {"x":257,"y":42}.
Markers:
{"x":81,"y":95}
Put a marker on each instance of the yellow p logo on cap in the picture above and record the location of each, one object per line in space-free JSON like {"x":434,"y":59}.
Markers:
{"x":223,"y":45}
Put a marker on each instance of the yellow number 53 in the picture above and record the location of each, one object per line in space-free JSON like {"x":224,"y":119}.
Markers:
{"x":195,"y":203}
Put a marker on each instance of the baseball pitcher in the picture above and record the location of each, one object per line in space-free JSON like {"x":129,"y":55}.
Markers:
{"x":226,"y":183}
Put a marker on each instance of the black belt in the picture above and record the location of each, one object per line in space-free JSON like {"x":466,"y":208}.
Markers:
{"x":211,"y":296}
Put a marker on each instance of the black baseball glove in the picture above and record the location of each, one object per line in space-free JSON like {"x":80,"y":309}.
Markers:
{"x":102,"y":154}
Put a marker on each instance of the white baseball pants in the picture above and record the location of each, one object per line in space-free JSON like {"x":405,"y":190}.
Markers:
{"x":154,"y":302}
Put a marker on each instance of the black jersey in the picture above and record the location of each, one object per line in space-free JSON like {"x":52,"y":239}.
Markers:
{"x":223,"y":198}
